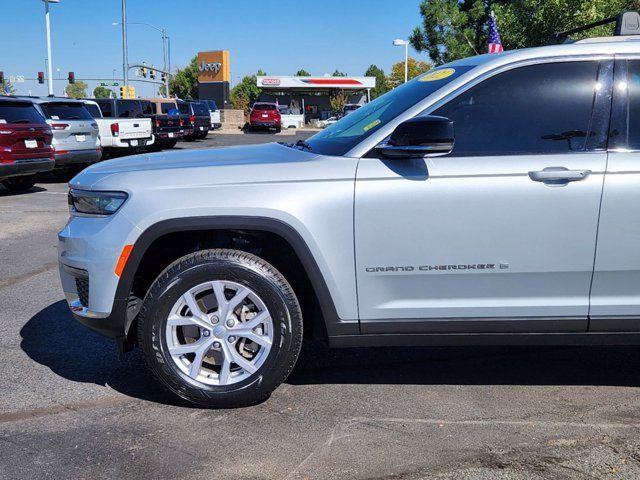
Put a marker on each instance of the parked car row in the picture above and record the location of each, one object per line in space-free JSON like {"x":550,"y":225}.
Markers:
{"x":42,"y":134}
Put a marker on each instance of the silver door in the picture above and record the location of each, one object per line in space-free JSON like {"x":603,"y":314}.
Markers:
{"x":615,"y":294}
{"x":503,"y":228}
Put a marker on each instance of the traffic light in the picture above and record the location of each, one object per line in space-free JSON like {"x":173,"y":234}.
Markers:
{"x":40,"y":77}
{"x":132,"y":92}
{"x":164,"y":77}
{"x":1,"y":78}
{"x":152,"y":73}
{"x":123,"y":92}
{"x":72,"y":77}
{"x":143,"y":71}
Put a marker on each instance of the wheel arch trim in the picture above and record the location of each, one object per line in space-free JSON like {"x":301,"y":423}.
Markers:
{"x":333,"y":323}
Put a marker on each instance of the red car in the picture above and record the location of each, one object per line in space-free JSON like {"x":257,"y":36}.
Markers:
{"x":265,"y":115}
{"x":25,"y":144}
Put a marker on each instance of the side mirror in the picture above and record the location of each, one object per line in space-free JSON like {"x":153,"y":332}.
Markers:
{"x":419,"y":137}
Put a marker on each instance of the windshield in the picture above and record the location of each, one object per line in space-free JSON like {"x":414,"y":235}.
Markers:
{"x":184,"y":108}
{"x":345,"y":134}
{"x":66,"y":111}
{"x":264,"y":106}
{"x":94,"y":110}
{"x":200,"y":108}
{"x":11,"y":112}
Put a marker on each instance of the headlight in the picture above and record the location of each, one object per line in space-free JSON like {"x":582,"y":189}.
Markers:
{"x":95,"y":203}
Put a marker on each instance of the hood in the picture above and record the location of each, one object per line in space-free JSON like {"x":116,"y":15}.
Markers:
{"x":210,"y":165}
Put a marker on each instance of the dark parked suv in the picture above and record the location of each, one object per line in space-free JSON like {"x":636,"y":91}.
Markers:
{"x":199,"y":118}
{"x":25,"y":144}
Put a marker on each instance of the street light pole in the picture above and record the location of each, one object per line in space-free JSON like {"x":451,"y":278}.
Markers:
{"x":164,"y":55}
{"x":399,"y":42}
{"x":406,"y":62}
{"x":125,"y":56}
{"x":49,"y":60}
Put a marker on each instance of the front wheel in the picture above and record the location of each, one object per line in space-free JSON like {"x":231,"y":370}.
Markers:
{"x":220,"y":328}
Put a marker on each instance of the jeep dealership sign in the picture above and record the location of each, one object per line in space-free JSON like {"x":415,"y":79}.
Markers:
{"x":213,"y":66}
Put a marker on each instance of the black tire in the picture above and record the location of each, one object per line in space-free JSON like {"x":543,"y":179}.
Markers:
{"x":170,"y":144}
{"x":231,"y":265}
{"x":19,"y":184}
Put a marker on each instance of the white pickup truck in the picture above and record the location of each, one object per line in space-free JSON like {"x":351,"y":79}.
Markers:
{"x":121,"y":133}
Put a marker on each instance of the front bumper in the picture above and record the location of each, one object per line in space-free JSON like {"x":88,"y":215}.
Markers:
{"x":75,"y":157}
{"x":88,"y":251}
{"x":26,"y":167}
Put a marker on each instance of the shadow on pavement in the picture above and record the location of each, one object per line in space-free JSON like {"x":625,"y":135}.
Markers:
{"x":5,"y":192}
{"x":55,"y":339}
{"x":474,"y":365}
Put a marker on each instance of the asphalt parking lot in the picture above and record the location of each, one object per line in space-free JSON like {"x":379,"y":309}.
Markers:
{"x":70,"y":408}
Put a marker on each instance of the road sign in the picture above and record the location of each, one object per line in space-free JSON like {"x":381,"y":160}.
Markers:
{"x":112,"y":84}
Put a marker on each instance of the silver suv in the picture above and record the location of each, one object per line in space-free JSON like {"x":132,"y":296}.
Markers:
{"x":75,"y":132}
{"x":492,"y":200}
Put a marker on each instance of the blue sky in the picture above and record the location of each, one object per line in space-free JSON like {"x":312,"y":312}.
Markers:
{"x":279,"y":36}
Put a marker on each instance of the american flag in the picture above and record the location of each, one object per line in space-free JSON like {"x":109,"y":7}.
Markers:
{"x":495,"y":44}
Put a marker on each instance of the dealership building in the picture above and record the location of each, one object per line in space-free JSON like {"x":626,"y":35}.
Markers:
{"x":304,"y":98}
{"x":310,"y":96}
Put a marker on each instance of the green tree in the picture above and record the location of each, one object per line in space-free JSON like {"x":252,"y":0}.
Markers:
{"x":103,"y":92}
{"x":337,"y":101}
{"x":453,"y":29}
{"x":302,"y":73}
{"x":76,"y":90}
{"x":7,"y":88}
{"x":529,"y":23}
{"x":247,"y":92}
{"x":184,"y":83}
{"x":381,"y":81}
{"x":416,"y":67}
{"x":338,"y":73}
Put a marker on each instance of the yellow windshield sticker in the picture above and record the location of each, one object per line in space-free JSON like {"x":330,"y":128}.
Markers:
{"x":437,"y":75}
{"x":375,"y":123}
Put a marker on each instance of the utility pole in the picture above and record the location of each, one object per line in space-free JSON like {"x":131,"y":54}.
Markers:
{"x":125,"y":56}
{"x":50,"y":61}
{"x":164,"y":54}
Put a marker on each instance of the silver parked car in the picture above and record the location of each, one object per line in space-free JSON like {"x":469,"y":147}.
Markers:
{"x":75,"y":132}
{"x":491,"y":200}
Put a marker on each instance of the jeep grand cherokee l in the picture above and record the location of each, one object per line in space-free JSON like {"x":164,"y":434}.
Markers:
{"x":491,"y":200}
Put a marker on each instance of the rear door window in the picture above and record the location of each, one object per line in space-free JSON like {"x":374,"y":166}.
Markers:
{"x":19,"y":112}
{"x":105,"y":106}
{"x":129,"y":109}
{"x":66,"y":111}
{"x":166,"y":107}
{"x":147,"y":107}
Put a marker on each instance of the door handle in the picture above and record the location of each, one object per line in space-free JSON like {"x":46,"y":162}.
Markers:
{"x":558,"y":175}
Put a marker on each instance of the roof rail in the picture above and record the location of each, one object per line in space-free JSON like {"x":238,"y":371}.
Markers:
{"x":627,"y":23}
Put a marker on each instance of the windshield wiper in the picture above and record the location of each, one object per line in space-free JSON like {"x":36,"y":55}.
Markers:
{"x":21,"y":120}
{"x":303,"y":144}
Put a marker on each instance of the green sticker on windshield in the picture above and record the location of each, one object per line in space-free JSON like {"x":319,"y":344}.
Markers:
{"x":375,"y":123}
{"x":437,"y":75}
